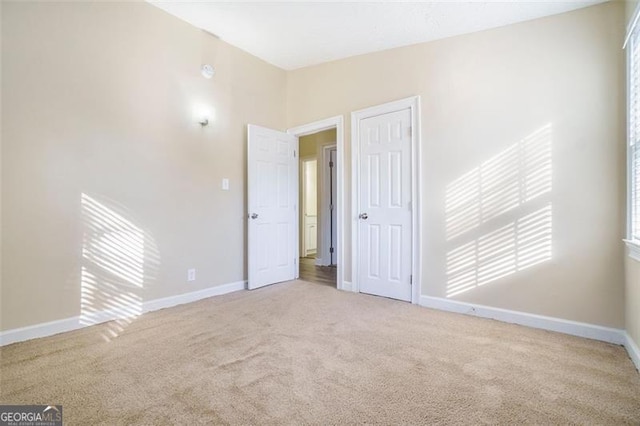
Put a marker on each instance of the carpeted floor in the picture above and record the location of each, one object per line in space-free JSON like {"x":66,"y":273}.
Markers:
{"x":301,"y":353}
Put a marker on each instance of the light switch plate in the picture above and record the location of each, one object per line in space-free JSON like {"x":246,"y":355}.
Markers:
{"x":225,"y":184}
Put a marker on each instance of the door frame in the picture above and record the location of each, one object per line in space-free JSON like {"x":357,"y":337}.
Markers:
{"x":413,"y":104}
{"x":324,"y":258}
{"x":336,"y":122}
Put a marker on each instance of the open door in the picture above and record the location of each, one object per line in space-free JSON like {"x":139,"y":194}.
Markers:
{"x":272,"y":169}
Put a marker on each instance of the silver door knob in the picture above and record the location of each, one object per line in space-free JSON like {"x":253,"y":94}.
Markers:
{"x":363,"y":216}
{"x":254,"y":215}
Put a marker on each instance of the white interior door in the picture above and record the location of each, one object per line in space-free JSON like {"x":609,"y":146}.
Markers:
{"x":272,"y":169}
{"x":384,"y":198}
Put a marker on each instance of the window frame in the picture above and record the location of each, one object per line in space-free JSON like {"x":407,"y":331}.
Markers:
{"x":633,"y":245}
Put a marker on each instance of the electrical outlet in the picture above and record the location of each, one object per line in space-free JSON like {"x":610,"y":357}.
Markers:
{"x":191,"y":274}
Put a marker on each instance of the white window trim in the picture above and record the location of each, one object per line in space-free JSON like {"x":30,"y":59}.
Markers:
{"x":633,"y":247}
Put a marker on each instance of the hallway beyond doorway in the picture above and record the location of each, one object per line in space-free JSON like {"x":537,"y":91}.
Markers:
{"x":309,"y":271}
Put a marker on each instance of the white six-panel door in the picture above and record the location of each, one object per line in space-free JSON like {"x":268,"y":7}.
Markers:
{"x":384,"y":200}
{"x":272,"y":199}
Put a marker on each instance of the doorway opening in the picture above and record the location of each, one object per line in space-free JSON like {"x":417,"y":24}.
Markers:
{"x":318,"y":243}
{"x":321,"y":147}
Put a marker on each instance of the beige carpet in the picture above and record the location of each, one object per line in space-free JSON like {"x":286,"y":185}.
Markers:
{"x":300,"y":353}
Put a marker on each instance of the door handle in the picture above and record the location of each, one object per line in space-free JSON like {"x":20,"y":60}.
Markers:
{"x":363,"y":216}
{"x":254,"y":215}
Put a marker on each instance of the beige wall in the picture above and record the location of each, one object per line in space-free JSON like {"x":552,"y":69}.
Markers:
{"x":630,"y":7}
{"x":481,"y":94}
{"x":102,"y":98}
{"x":101,"y":152}
{"x":632,"y":288}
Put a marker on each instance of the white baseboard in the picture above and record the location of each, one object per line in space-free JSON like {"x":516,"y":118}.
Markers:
{"x":167,"y":302}
{"x":346,"y":286}
{"x":590,"y":331}
{"x":633,"y":350}
{"x":39,"y":330}
{"x":75,"y":323}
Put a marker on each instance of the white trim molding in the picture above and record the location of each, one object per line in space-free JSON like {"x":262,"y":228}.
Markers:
{"x":631,"y":25}
{"x":75,"y":323}
{"x":336,"y":122}
{"x":413,"y":104}
{"x":574,"y":328}
{"x":168,"y":302}
{"x":633,"y":350}
{"x":633,"y":249}
{"x":632,"y":245}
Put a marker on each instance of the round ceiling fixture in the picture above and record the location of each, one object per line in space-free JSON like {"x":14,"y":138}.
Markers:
{"x":207,"y":71}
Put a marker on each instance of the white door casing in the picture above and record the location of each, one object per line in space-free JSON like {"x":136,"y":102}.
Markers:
{"x":386,"y":203}
{"x":336,"y":122}
{"x":272,"y":169}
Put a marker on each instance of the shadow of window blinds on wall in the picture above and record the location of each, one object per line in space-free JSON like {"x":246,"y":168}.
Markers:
{"x":118,"y":258}
{"x":499,"y":215}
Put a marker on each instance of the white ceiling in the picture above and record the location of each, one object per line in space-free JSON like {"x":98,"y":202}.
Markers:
{"x":297,"y":34}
